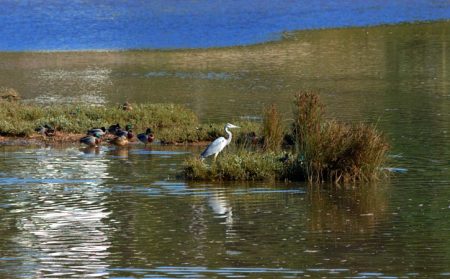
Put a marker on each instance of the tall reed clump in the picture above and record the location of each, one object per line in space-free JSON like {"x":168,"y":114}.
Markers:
{"x":333,"y":151}
{"x":273,"y":129}
{"x":306,"y":129}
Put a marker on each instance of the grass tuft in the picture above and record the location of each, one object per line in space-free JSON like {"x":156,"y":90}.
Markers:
{"x":239,"y":165}
{"x":273,"y":129}
{"x":9,"y":94}
{"x":334,"y":151}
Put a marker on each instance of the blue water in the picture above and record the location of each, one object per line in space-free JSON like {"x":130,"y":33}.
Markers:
{"x":79,"y":25}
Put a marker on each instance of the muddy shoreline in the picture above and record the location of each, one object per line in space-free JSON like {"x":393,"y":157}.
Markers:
{"x":71,"y":139}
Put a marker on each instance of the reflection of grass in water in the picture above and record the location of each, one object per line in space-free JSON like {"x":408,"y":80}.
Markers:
{"x":355,"y":209}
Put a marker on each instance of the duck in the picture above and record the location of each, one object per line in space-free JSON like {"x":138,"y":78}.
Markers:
{"x":97,"y":132}
{"x":127,"y":106}
{"x":128,"y":133}
{"x":46,"y":130}
{"x":119,"y":141}
{"x":253,"y":138}
{"x":114,"y":128}
{"x":146,"y":137}
{"x":91,"y":140}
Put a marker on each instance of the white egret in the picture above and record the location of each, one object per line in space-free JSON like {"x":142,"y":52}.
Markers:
{"x":218,"y":144}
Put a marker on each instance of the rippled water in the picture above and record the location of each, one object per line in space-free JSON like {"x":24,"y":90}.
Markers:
{"x":120,"y":213}
{"x":135,"y":24}
{"x":70,"y":212}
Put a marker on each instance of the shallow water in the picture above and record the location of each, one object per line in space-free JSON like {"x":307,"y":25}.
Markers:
{"x":134,"y":24}
{"x":124,"y":213}
{"x":121,"y":213}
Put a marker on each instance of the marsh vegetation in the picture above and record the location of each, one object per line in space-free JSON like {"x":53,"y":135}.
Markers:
{"x":172,"y":123}
{"x":310,"y":148}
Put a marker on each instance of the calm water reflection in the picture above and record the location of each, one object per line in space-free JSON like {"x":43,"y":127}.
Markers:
{"x":69,"y":212}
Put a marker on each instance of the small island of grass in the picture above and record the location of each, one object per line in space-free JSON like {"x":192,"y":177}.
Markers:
{"x":172,"y":124}
{"x":309,"y":148}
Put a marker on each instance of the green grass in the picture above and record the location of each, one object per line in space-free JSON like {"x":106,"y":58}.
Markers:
{"x":18,"y":119}
{"x":171,"y":123}
{"x":322,"y":150}
{"x":236,"y":164}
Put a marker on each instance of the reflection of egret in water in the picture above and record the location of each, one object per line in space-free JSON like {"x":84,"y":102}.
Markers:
{"x":223,"y":210}
{"x":60,"y":225}
{"x":199,"y":225}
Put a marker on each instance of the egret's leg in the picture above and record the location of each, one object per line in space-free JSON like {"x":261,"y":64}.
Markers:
{"x":215,"y":156}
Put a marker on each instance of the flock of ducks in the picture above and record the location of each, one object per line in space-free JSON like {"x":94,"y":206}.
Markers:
{"x":120,"y":137}
{"x":114,"y":134}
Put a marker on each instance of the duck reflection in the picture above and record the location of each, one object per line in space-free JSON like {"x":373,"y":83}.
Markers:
{"x":120,"y":152}
{"x":91,"y":150}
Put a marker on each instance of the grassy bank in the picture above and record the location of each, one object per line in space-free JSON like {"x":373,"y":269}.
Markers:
{"x":171,"y":123}
{"x":311,"y":148}
{"x":308,"y":148}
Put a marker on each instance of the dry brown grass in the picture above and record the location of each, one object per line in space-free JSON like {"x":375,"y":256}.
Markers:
{"x":273,"y":129}
{"x":9,"y":94}
{"x":334,"y":151}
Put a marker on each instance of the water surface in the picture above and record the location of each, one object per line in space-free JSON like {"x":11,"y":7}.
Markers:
{"x":162,"y":24}
{"x":70,"y":212}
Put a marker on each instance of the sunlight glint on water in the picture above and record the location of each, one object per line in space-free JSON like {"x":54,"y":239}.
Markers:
{"x":69,"y":212}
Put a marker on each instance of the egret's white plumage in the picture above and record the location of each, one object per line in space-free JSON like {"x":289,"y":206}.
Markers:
{"x":215,"y":147}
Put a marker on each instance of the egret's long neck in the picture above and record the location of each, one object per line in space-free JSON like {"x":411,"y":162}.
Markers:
{"x":230,"y":136}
